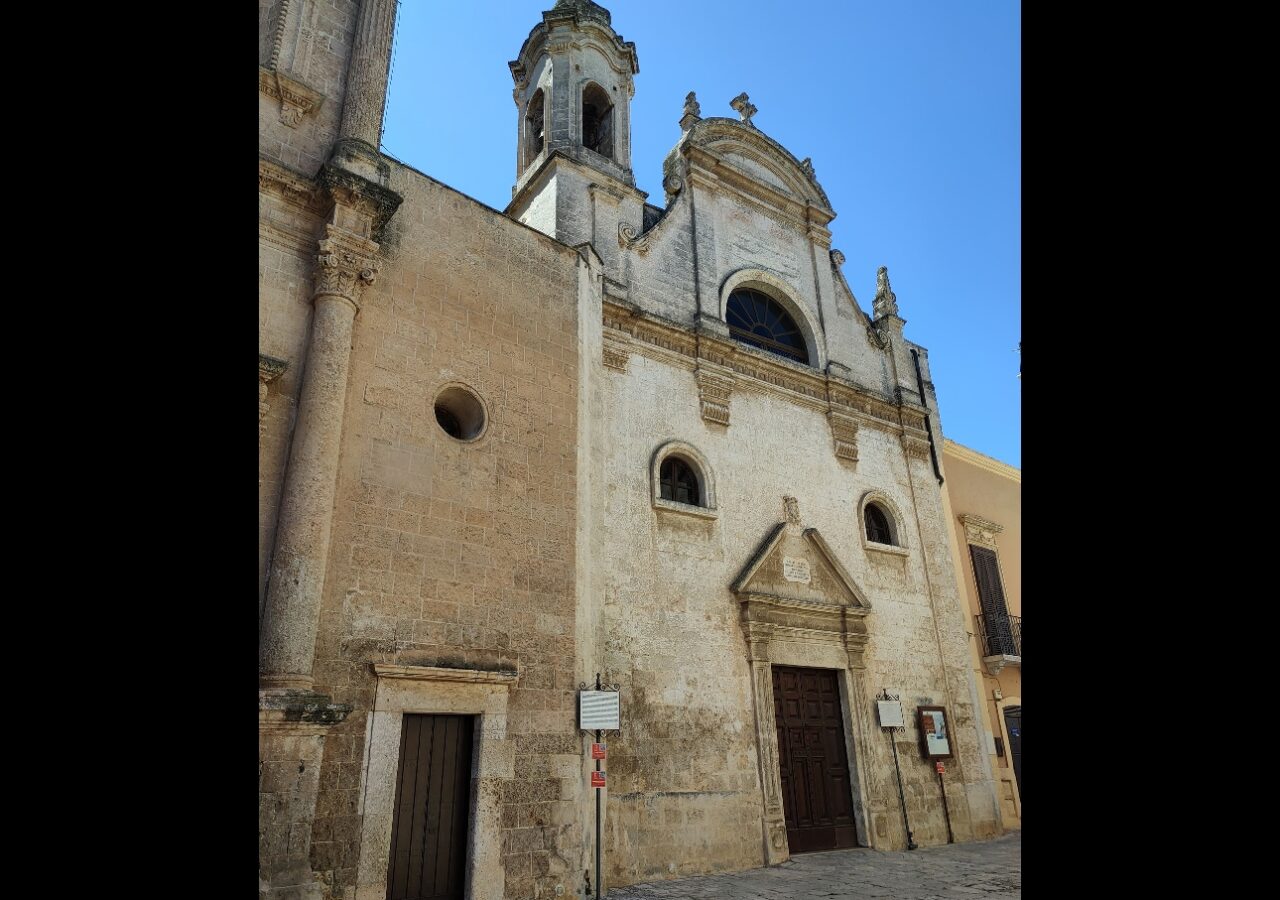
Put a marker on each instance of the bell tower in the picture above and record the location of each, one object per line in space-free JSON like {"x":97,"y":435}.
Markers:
{"x":573,"y":90}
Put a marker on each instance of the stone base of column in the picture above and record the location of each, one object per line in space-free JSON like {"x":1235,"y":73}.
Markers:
{"x":291,"y":730}
{"x":776,"y":850}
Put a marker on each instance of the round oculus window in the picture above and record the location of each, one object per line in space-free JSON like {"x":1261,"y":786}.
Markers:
{"x":460,"y":414}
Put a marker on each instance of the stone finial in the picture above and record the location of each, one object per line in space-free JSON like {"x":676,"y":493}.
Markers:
{"x":692,"y":112}
{"x":746,"y":109}
{"x":791,"y":507}
{"x":806,"y":166}
{"x":886,"y":302}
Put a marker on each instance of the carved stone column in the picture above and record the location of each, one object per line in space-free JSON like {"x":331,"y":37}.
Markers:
{"x":366,"y":96}
{"x":288,"y":640}
{"x":776,"y":849}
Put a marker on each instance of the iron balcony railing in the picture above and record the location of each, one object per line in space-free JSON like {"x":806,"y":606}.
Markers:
{"x":1000,"y":635}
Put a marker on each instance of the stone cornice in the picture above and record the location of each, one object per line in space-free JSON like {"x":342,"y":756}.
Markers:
{"x":270,"y":368}
{"x":973,"y":457}
{"x":290,"y":186}
{"x":593,"y":25}
{"x":371,"y":198}
{"x":710,"y":134}
{"x":296,"y":98}
{"x":629,"y":329}
{"x":710,"y":171}
{"x":980,"y":531}
{"x":440,"y":673}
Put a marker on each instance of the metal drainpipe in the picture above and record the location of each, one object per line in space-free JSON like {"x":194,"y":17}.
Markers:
{"x":924,"y":401}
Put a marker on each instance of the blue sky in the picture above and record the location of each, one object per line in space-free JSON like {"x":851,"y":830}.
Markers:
{"x":911,"y":112}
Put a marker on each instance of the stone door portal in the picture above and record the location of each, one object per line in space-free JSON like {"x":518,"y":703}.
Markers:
{"x":816,"y":794}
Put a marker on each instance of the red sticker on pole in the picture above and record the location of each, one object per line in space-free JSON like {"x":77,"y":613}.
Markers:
{"x":597,"y":779}
{"x":941,"y":768}
{"x":597,"y":751}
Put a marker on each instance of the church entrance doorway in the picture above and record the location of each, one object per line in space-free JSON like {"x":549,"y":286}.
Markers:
{"x":816,"y":793}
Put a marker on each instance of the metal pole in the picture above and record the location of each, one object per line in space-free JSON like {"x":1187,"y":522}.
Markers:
{"x":946,"y":812}
{"x":911,"y":841}
{"x":598,"y":790}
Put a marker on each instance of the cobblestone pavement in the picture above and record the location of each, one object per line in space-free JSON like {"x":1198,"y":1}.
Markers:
{"x":950,"y":872}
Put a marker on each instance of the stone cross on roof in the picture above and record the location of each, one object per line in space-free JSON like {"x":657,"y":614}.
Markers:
{"x":746,"y":109}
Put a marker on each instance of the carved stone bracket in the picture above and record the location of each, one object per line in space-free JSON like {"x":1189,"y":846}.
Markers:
{"x":844,"y":431}
{"x":345,"y":265}
{"x":296,"y":98}
{"x":269,"y":369}
{"x":980,"y":531}
{"x":615,"y":355}
{"x":287,"y":184}
{"x":715,"y":386}
{"x":915,"y":446}
{"x":996,"y":664}
{"x":363,"y":196}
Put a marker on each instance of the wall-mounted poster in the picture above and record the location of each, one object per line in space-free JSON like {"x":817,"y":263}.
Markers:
{"x":935,"y":737}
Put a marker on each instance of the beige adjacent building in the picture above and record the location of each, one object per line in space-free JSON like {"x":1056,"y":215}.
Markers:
{"x":984,"y":500}
{"x":656,"y":438}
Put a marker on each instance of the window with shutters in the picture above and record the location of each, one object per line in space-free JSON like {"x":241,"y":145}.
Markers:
{"x":682,"y":480}
{"x":999,"y":632}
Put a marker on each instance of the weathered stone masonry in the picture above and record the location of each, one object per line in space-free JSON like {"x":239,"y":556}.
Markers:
{"x":403,"y":571}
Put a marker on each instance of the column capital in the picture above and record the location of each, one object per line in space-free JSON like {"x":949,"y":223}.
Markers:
{"x":345,"y":265}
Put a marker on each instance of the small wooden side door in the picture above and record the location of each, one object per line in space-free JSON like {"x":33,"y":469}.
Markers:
{"x":433,"y":799}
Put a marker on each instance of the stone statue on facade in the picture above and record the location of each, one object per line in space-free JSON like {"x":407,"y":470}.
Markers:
{"x":886,"y":302}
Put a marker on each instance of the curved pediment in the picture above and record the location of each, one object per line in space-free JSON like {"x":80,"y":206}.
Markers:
{"x":758,"y":156}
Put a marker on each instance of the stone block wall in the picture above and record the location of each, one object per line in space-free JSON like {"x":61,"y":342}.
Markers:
{"x":459,"y":554}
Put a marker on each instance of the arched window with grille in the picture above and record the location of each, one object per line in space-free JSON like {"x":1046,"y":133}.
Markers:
{"x":757,"y":319}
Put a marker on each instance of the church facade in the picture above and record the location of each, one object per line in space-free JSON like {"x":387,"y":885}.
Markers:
{"x":501,"y":452}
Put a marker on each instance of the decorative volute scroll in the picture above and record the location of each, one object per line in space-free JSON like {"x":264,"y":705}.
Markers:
{"x":980,"y":531}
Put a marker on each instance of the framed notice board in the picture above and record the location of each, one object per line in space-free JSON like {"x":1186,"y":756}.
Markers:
{"x":935,"y":732}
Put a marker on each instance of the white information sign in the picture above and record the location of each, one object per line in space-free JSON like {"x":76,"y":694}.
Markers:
{"x":794,"y":569}
{"x":598,"y":710}
{"x":890,"y":713}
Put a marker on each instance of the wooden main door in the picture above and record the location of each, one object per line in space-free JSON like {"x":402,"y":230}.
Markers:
{"x":816,"y":793}
{"x":433,"y":796}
